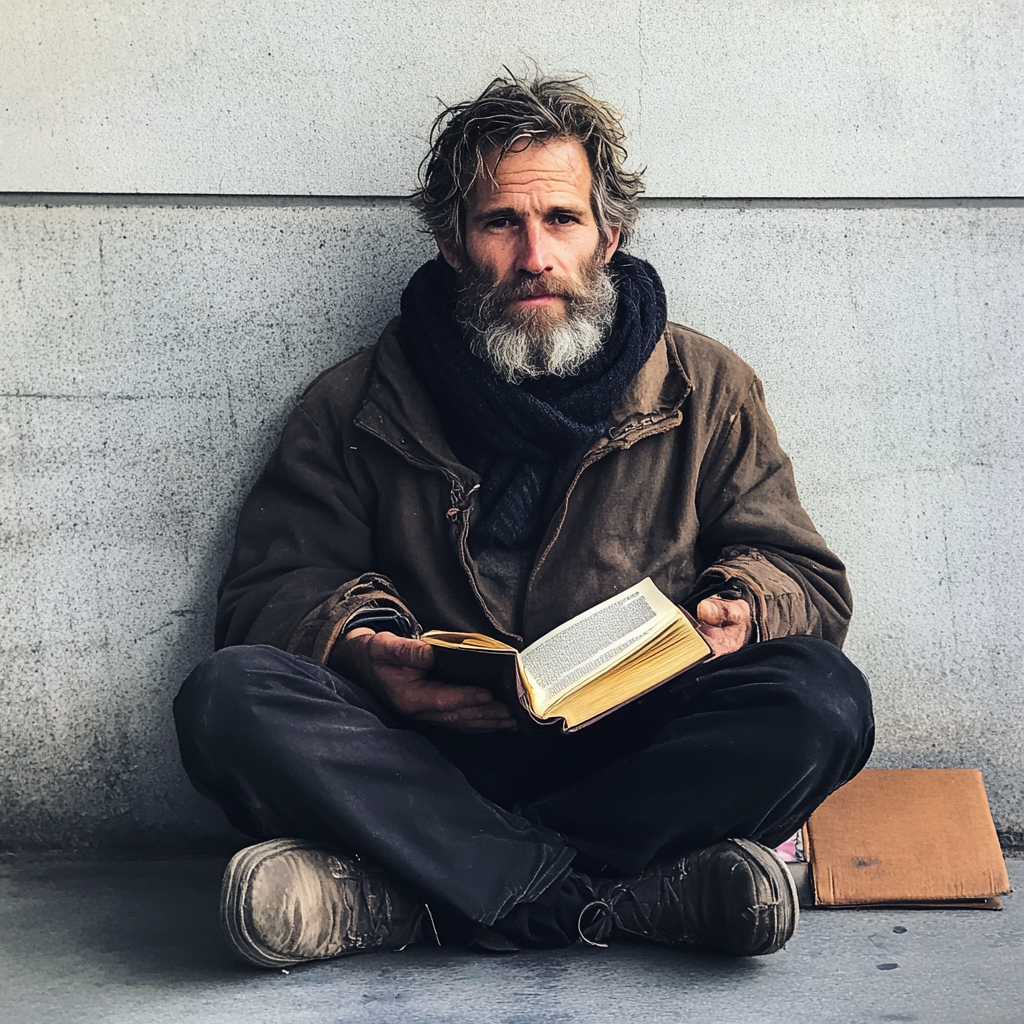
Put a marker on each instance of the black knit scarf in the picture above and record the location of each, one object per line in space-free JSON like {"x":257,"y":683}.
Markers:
{"x":519,"y":437}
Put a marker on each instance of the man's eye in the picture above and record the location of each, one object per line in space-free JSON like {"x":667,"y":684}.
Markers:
{"x":499,"y":222}
{"x":565,"y":218}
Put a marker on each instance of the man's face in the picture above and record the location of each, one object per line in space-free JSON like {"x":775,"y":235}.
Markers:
{"x":534,"y":218}
{"x":532,"y":275}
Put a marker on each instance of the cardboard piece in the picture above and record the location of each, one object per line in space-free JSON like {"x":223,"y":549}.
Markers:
{"x":907,"y":837}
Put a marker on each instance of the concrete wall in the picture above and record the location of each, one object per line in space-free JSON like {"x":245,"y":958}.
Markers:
{"x":724,"y":97}
{"x":222,"y":221}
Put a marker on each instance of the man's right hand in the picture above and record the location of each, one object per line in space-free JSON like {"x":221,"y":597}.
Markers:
{"x":395,"y":669}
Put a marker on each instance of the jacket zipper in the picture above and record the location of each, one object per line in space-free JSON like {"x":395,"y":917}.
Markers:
{"x":460,"y":507}
{"x":646,"y":426}
{"x":459,"y":500}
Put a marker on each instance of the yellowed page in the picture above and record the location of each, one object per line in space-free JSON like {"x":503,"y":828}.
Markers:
{"x":671,"y":652}
{"x":439,"y":638}
{"x":585,"y":647}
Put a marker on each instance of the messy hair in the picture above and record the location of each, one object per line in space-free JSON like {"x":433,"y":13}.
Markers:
{"x":509,"y":111}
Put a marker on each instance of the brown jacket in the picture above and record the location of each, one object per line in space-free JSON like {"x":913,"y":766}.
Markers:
{"x":363,"y":502}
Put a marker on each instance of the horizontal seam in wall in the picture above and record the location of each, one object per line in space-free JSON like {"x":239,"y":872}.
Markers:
{"x":183,"y":200}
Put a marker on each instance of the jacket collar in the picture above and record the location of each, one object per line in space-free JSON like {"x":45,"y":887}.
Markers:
{"x":398,"y":410}
{"x":656,"y":394}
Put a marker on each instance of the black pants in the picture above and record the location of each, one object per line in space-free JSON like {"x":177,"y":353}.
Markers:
{"x":747,"y":745}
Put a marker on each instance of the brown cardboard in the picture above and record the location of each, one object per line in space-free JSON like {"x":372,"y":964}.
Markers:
{"x":907,"y":836}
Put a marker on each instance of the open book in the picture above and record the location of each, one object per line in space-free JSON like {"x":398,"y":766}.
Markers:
{"x":587,"y":667}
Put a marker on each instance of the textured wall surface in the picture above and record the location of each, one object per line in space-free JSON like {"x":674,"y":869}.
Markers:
{"x":154,"y":357}
{"x":724,"y":98}
{"x":150,"y":347}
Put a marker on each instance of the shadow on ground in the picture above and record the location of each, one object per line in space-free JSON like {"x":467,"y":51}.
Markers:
{"x":140,"y":919}
{"x":93,"y":940}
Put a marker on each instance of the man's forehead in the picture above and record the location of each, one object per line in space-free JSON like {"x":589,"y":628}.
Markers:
{"x":554,"y":165}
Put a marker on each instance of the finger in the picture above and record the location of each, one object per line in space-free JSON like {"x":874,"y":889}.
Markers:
{"x":469,"y":724}
{"x":725,"y":639}
{"x":443,"y":697}
{"x":399,"y":650}
{"x":417,"y":696}
{"x":401,"y":675}
{"x":723,"y":630}
{"x":717,"y":612}
{"x":726,"y":645}
{"x":713,"y":612}
{"x":473,"y":727}
{"x":495,"y":711}
{"x":452,"y":721}
{"x":478,"y":728}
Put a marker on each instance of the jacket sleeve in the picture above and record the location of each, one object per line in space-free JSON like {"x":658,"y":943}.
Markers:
{"x":755,"y":531}
{"x":301,"y":567}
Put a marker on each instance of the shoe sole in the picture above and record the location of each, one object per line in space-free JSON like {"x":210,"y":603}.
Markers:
{"x":773,"y":865}
{"x":235,"y":891}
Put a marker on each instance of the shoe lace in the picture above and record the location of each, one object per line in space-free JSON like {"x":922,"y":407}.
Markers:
{"x":595,"y":918}
{"x":667,"y":917}
{"x":374,"y":918}
{"x":433,"y":927}
{"x":675,"y":915}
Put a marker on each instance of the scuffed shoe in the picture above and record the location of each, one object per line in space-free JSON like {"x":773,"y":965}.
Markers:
{"x":736,"y":896}
{"x":287,"y":901}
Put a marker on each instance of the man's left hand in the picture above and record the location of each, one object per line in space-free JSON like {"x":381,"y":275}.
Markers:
{"x":726,"y":625}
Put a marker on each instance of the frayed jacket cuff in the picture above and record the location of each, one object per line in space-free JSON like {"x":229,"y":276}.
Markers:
{"x":316,"y":635}
{"x":778,"y":603}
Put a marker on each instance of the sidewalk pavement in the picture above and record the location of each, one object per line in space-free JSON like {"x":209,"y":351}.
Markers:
{"x":107,"y":941}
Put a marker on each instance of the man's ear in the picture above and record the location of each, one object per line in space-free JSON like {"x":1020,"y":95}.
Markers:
{"x":614,"y":234}
{"x":449,"y":250}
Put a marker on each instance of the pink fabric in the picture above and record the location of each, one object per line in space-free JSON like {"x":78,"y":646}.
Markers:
{"x":792,"y":850}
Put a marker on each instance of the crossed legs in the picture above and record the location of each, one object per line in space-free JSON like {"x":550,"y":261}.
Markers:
{"x":744,"y":746}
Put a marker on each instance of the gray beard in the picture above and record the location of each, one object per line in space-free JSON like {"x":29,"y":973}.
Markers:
{"x":529,"y":343}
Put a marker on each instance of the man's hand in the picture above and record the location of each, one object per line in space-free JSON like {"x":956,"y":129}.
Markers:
{"x":726,"y":625}
{"x":395,"y":669}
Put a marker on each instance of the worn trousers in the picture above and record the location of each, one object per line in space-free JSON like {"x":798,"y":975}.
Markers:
{"x":746,"y":745}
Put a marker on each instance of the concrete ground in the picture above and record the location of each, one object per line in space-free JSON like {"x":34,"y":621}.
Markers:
{"x":98,"y":941}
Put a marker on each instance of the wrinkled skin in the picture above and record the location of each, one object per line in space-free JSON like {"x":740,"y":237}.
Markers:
{"x":726,"y":625}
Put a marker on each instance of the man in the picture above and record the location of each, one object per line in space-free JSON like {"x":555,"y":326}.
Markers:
{"x":529,"y":438}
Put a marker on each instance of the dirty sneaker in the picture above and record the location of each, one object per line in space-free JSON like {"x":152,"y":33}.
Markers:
{"x":287,"y":900}
{"x":736,"y":896}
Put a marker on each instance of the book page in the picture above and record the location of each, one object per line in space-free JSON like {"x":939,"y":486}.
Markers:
{"x":676,"y":648}
{"x":580,"y":650}
{"x":465,"y":641}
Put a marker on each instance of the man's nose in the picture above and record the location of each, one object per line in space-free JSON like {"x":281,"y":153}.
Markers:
{"x":534,"y":250}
